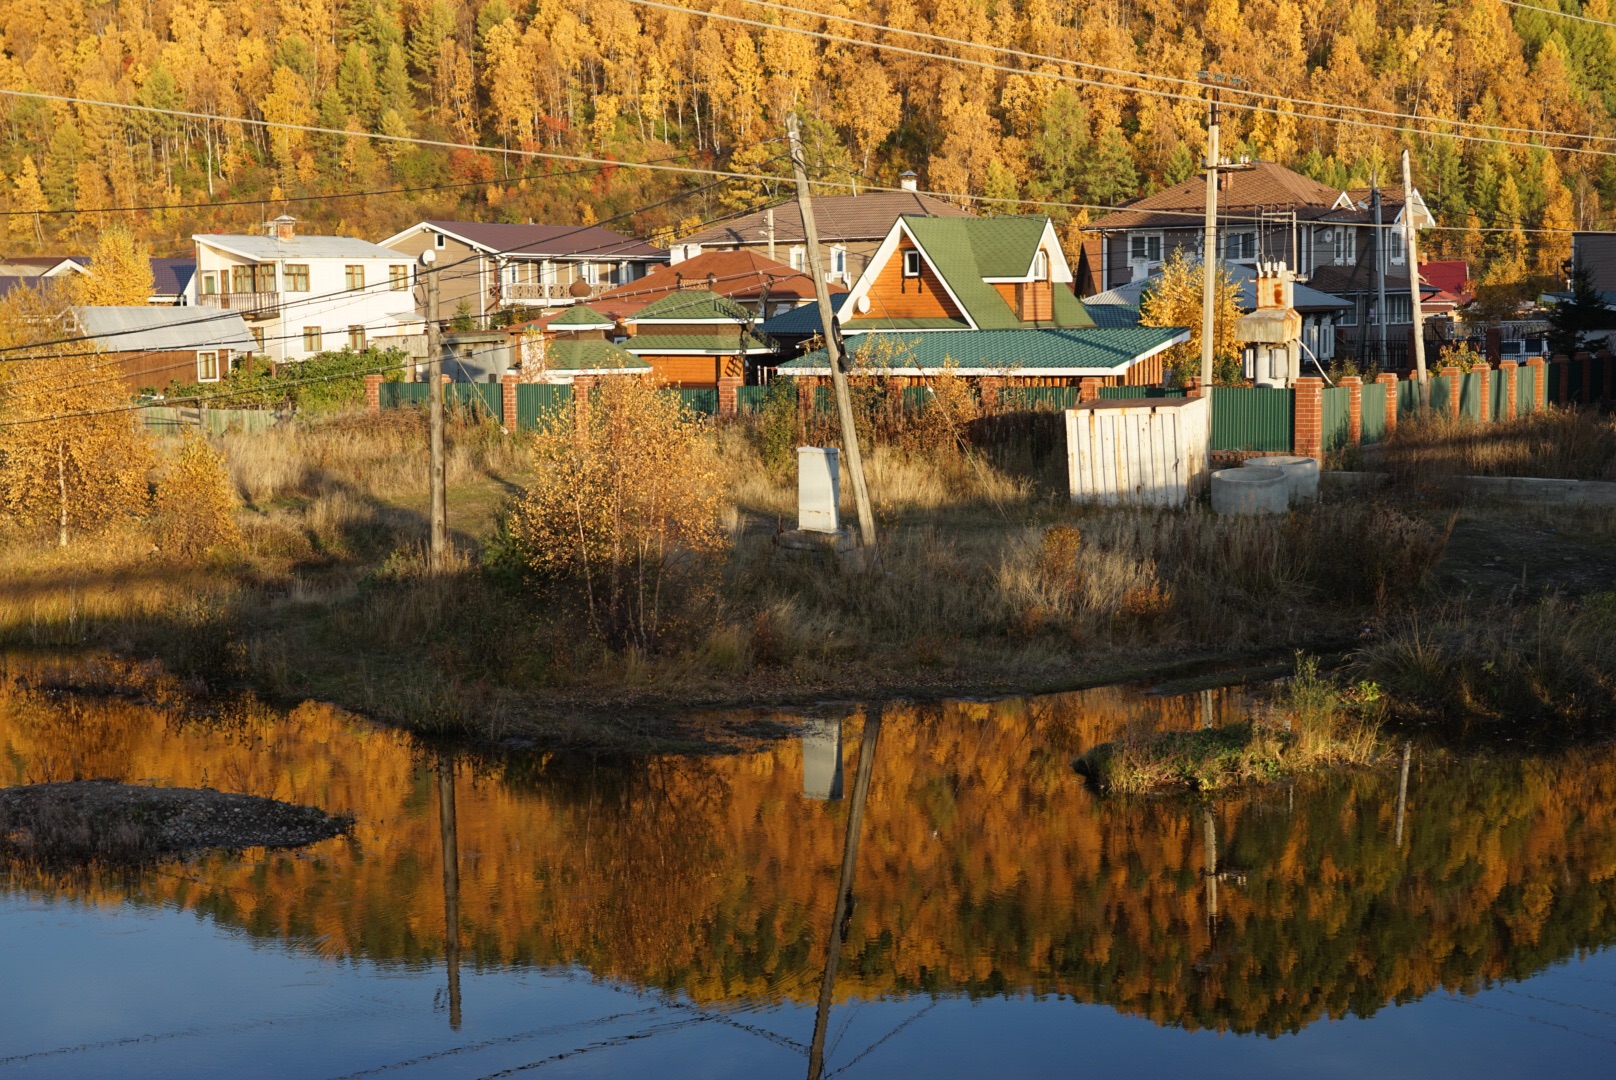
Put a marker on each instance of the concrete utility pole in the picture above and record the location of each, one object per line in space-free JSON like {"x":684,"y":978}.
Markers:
{"x":768,"y":218}
{"x":1209,"y":250}
{"x":434,"y":352}
{"x":1410,"y":234}
{"x":838,"y":376}
{"x":1380,"y":274}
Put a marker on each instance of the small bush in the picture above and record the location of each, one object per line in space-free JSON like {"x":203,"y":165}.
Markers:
{"x":195,"y":505}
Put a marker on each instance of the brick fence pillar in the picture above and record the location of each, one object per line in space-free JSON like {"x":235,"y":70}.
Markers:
{"x":1507,"y":371}
{"x":1309,"y":417}
{"x":728,"y":403}
{"x":1587,"y":377}
{"x":1454,"y":377}
{"x":508,"y":383}
{"x":1540,"y":383}
{"x":373,"y":393}
{"x":1354,"y":385}
{"x":582,"y":386}
{"x":1388,"y":379}
{"x":1484,"y":410}
{"x":988,"y":388}
{"x":1088,"y":389}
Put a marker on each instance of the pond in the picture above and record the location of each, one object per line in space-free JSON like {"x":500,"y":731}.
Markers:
{"x":674,"y":916}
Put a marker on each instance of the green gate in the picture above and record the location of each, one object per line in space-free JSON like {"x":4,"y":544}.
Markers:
{"x":396,"y":395}
{"x":479,"y":400}
{"x":536,"y":403}
{"x":1374,"y":412}
{"x":1252,"y":418}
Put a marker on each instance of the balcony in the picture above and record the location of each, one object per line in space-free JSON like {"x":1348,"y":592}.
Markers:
{"x":546,"y":292}
{"x":251,"y":305}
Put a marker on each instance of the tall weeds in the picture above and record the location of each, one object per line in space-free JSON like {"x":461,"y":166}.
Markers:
{"x":1561,"y":443}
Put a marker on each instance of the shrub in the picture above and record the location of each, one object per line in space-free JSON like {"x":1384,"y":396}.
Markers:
{"x":194,"y":507}
{"x":624,"y":518}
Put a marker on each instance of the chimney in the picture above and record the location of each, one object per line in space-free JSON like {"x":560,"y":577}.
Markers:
{"x":908,"y":180}
{"x":283,"y":227}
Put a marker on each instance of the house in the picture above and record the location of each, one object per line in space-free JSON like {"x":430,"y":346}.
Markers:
{"x":575,"y":344}
{"x":1270,"y":213}
{"x":694,"y":338}
{"x":851,"y":229}
{"x":986,"y":297}
{"x":487,"y":266}
{"x":745,"y":277}
{"x":171,"y":281}
{"x":1319,"y":310}
{"x":304,"y":295}
{"x":156,"y":346}
{"x":38,"y":271}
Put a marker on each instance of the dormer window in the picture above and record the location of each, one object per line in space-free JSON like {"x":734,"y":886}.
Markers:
{"x":911,"y":263}
{"x":1040,"y":266}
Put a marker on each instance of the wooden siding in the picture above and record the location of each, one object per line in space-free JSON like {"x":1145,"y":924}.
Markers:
{"x":1146,"y":372}
{"x":156,"y":370}
{"x":685,"y":329}
{"x":893,"y":296}
{"x":693,"y":372}
{"x":1032,"y":301}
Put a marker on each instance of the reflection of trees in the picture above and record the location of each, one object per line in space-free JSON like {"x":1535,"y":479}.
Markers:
{"x":985,"y":867}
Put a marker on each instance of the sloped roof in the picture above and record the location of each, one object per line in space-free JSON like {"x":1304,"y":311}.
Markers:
{"x":580,"y":316}
{"x":738,"y":275}
{"x":1449,"y":275}
{"x":836,"y":218}
{"x":965,"y":251}
{"x":1355,"y":279}
{"x":693,"y":305}
{"x":590,"y":354}
{"x":1003,"y":352}
{"x":1265,"y":184}
{"x":171,"y":277}
{"x":38,"y":265}
{"x":298,"y":247}
{"x":718,"y":343}
{"x":164,"y":329}
{"x":799,"y":321}
{"x":1306,"y":296}
{"x":572,"y":241}
{"x":1109,"y":316}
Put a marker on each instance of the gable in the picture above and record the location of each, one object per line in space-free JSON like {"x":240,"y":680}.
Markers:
{"x":891,"y":298}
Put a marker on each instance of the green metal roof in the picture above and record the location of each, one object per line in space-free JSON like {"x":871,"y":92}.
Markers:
{"x":589,"y":354}
{"x":693,"y":304}
{"x":1112,"y":315}
{"x":967,"y":250}
{"x":799,"y":321}
{"x":1001,"y":352}
{"x":719,"y":343}
{"x":581,"y":315}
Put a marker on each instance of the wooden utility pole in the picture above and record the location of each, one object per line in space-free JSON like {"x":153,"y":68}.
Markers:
{"x":434,"y":352}
{"x":1209,"y":248}
{"x":768,"y":217}
{"x":1402,"y":792}
{"x":1409,"y":253}
{"x":827,"y":322}
{"x":449,"y":843}
{"x":844,"y":889}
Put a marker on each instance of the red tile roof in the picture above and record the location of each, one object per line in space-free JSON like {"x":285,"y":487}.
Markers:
{"x":737,"y":275}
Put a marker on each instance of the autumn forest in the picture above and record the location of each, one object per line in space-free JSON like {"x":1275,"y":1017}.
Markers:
{"x":465,"y":95}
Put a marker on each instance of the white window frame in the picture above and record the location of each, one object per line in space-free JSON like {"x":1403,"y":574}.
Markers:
{"x":911,"y":263}
{"x":1345,"y":251}
{"x":591,"y":273}
{"x":1040,"y":265}
{"x":212,"y":360}
{"x":1150,"y":244}
{"x":1394,"y":245}
{"x":838,"y":263}
{"x":439,"y":240}
{"x":799,"y":259}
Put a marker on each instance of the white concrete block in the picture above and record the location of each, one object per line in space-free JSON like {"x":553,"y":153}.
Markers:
{"x":1301,"y":473}
{"x":1250,"y":491}
{"x":819,"y":486}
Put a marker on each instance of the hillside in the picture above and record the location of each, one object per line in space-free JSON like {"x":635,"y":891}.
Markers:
{"x":633,"y":81}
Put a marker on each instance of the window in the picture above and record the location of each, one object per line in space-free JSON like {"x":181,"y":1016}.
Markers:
{"x":207,"y":367}
{"x":1144,"y":248}
{"x":297,"y":277}
{"x":1395,"y":243}
{"x":911,"y":263}
{"x":356,"y":338}
{"x":440,"y":240}
{"x":313,"y":339}
{"x":398,"y":277}
{"x":1346,"y":245}
{"x":799,"y":259}
{"x":838,"y":262}
{"x":210,"y":284}
{"x":1040,"y":265}
{"x":258,"y":338}
{"x":259,"y":277}
{"x":1348,"y":317}
{"x":1240,"y":245}
{"x":1399,"y":309}
{"x":355,"y":277}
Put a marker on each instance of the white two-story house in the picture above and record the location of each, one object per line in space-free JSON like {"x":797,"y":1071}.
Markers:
{"x":304,"y":295}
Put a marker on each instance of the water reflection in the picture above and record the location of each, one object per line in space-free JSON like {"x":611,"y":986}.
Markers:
{"x":982,"y":866}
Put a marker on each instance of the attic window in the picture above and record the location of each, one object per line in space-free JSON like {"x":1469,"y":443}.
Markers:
{"x":1040,"y":265}
{"x":911,"y":263}
{"x":440,"y":241}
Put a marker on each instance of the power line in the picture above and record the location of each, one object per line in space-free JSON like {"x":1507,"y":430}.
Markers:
{"x":1169,"y":79}
{"x":1079,"y":80}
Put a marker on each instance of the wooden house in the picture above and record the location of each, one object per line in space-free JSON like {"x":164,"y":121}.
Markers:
{"x":691,"y":339}
{"x":575,"y":344}
{"x":153,"y":347}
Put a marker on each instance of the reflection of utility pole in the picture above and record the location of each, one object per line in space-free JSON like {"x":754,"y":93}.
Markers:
{"x":1207,"y":708}
{"x":450,"y":847}
{"x":1209,"y":842}
{"x":1402,"y":792}
{"x":833,"y":352}
{"x":844,"y":891}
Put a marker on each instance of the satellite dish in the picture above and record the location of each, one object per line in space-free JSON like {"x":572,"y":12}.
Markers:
{"x":863,"y":305}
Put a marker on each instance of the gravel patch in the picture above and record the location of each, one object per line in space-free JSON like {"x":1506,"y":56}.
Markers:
{"x":103,"y":822}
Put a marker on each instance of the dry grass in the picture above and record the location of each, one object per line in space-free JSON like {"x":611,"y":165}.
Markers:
{"x":1561,"y":443}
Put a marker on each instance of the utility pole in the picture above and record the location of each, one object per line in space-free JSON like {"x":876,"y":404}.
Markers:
{"x":1209,"y":250}
{"x":827,"y":321}
{"x":449,"y":846}
{"x":1410,"y":234}
{"x":1380,"y":274}
{"x":768,"y":217}
{"x":434,"y":353}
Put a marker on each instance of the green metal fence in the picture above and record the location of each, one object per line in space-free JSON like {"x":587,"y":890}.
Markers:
{"x":395,"y":395}
{"x":537,"y":402}
{"x":700,"y":402}
{"x":1337,"y":418}
{"x":1470,"y":395}
{"x":1498,"y":395}
{"x":172,"y":420}
{"x":1039,"y":398}
{"x":1108,"y":393}
{"x":1526,"y":389}
{"x":1408,"y":399}
{"x":481,"y":400}
{"x":1252,"y":418}
{"x":1440,"y":392}
{"x":749,"y":399}
{"x":1373,"y":404}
